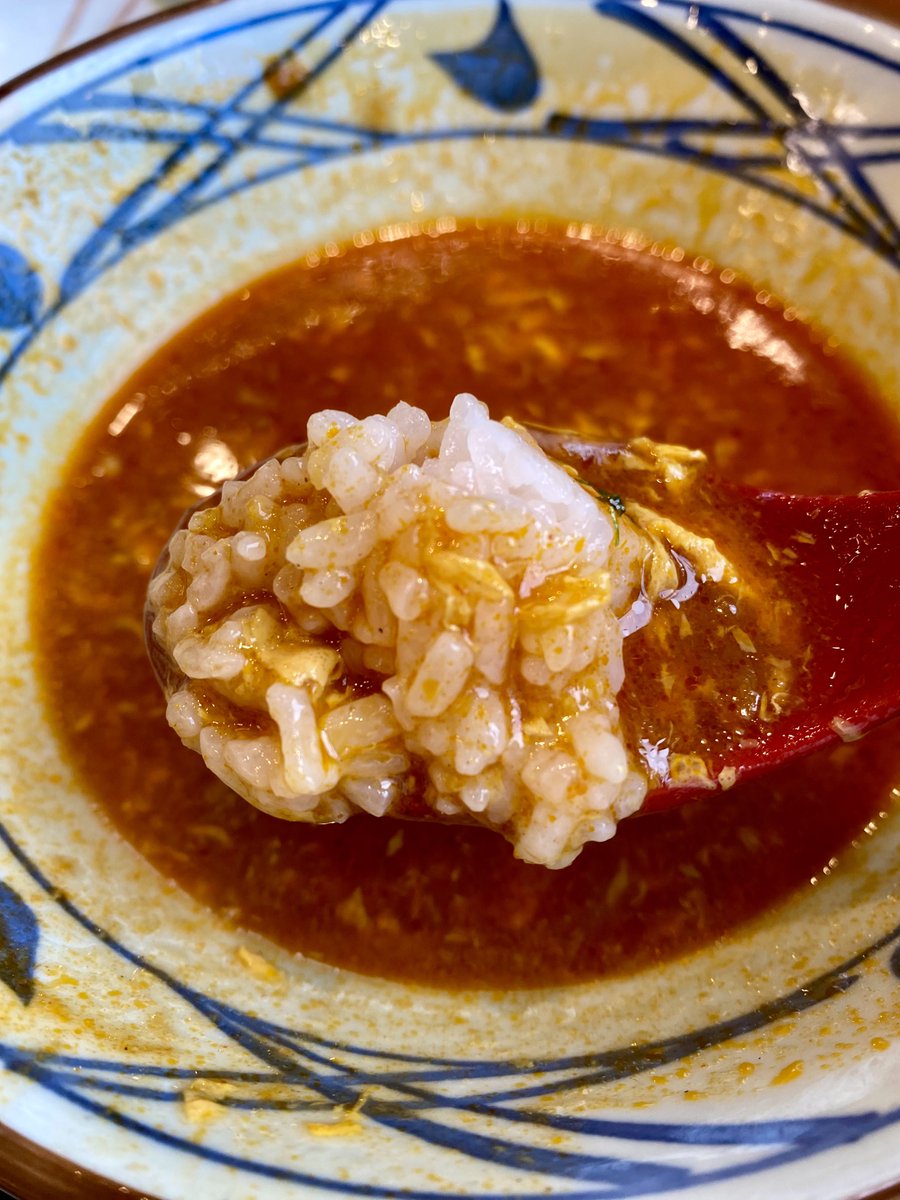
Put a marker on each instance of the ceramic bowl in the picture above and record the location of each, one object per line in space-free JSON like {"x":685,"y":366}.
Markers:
{"x":146,"y":177}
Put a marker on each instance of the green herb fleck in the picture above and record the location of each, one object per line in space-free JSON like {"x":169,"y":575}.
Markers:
{"x":616,"y":503}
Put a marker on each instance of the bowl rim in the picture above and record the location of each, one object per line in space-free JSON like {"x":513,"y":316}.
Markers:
{"x":100,"y":42}
{"x":852,"y":8}
{"x":32,"y":1171}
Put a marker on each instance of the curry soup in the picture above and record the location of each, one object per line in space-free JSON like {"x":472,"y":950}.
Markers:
{"x":559,"y":330}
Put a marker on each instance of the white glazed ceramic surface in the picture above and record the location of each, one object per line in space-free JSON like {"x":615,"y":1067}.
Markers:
{"x":150,"y":177}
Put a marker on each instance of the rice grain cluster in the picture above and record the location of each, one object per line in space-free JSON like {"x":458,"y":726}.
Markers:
{"x":409,"y":618}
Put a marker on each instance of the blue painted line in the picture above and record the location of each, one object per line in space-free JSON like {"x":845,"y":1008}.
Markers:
{"x":107,"y":131}
{"x":173,"y":210}
{"x":162,"y":1137}
{"x":119,"y":240}
{"x":111,"y":101}
{"x":689,"y":7}
{"x":143,"y":61}
{"x":790,"y":1131}
{"x":78,"y":273}
{"x":850,"y":164}
{"x":283,"y":1049}
{"x":783,"y":94}
{"x":265,"y":1170}
{"x":500,"y":72}
{"x":642,"y":20}
{"x":572,"y":128}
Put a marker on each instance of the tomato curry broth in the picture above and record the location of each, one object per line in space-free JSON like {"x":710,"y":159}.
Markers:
{"x":549,"y":328}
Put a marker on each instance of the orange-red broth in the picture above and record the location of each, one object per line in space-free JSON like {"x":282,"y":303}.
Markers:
{"x":549,"y":329}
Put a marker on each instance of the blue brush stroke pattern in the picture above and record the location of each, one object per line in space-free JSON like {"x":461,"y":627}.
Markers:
{"x":411,"y":1092}
{"x":848,"y":198}
{"x":618,"y":1175}
{"x":500,"y":71}
{"x":20,"y":289}
{"x":853,"y":206}
{"x":18,"y":943}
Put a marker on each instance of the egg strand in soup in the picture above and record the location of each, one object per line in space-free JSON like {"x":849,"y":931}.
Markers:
{"x":550,"y":329}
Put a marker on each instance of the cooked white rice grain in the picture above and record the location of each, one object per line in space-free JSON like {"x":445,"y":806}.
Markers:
{"x":410,"y":599}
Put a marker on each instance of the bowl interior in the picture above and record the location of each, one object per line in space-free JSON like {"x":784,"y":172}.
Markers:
{"x":157,"y":174}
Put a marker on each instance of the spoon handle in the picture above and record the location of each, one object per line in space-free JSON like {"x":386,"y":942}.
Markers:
{"x":840,"y":555}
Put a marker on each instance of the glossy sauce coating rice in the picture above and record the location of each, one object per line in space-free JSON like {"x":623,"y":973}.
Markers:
{"x":469,"y":585}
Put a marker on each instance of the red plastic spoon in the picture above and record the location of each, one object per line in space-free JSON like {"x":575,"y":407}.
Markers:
{"x":837,"y":555}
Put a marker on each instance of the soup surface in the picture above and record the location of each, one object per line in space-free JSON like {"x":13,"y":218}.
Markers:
{"x":547,"y":327}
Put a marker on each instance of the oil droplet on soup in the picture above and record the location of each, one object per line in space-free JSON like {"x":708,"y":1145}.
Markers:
{"x":583,"y":333}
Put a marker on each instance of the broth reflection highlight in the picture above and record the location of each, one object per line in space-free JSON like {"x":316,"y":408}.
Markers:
{"x":547,"y":328}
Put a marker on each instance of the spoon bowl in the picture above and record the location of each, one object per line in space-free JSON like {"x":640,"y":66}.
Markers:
{"x":839,"y":557}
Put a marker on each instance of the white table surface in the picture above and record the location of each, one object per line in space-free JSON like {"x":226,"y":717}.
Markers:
{"x":34,"y":30}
